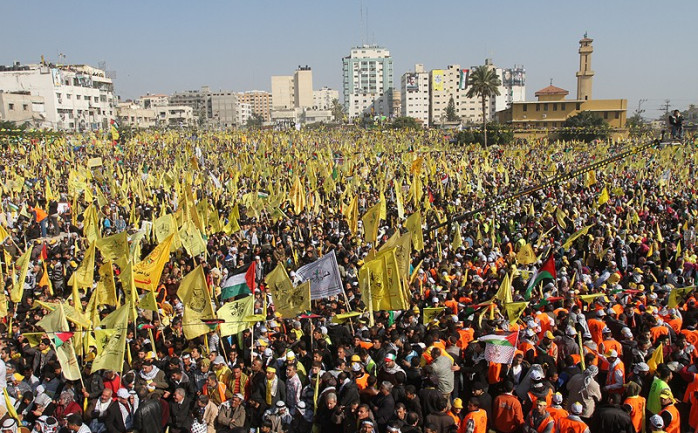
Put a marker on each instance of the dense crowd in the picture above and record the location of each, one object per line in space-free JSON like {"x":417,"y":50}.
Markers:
{"x":608,"y":344}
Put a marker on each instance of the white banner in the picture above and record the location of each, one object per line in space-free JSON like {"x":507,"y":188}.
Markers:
{"x":323,"y":275}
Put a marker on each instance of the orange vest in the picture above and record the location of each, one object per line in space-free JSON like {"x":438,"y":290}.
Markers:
{"x":567,"y":425}
{"x":612,"y":345}
{"x":362,"y":382}
{"x":658,"y":331}
{"x":543,"y":424}
{"x":610,"y":380}
{"x":221,"y":391}
{"x":691,"y":388}
{"x":479,"y":417}
{"x":675,"y":424}
{"x":534,"y":399}
{"x":456,"y":418}
{"x":637,"y":413}
{"x":693,"y":414}
{"x":466,"y":336}
{"x":557,"y":413}
{"x":40,"y":214}
{"x":526,"y":346}
{"x":493,"y":372}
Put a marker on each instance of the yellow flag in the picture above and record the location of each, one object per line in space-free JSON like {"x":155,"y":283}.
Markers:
{"x":351,"y":213}
{"x":232,"y":226}
{"x":62,"y":344}
{"x":514,"y":310}
{"x":457,"y":238}
{"x":660,"y":238}
{"x":17,"y":291}
{"x":84,"y":275}
{"x":590,"y":178}
{"x":603,"y":198}
{"x":381,"y":278}
{"x":575,"y":235}
{"x":560,"y":217}
{"x":590,"y":298}
{"x":414,"y":226}
{"x":504,"y":292}
{"x":148,"y":301}
{"x":114,"y":247}
{"x":526,"y":256}
{"x":677,"y":296}
{"x":146,"y":274}
{"x":431,"y":313}
{"x":656,"y":358}
{"x":3,"y":298}
{"x":384,"y":206}
{"x":371,"y":221}
{"x":11,"y":409}
{"x":164,"y":226}
{"x":105,"y":287}
{"x":112,"y":356}
{"x":194,"y":293}
{"x":398,"y":200}
{"x":234,"y":314}
{"x":91,"y":223}
{"x":289,"y":301}
{"x":191,"y":239}
{"x":678,"y":251}
{"x":297,"y":196}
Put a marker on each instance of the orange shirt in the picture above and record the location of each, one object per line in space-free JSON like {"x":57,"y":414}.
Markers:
{"x":637,"y":412}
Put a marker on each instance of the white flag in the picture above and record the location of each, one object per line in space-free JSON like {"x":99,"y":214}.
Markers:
{"x":323,"y":275}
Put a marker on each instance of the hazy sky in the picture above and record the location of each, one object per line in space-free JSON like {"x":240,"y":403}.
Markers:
{"x":642,"y":49}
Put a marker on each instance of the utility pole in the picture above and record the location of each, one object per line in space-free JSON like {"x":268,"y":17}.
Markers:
{"x":665,"y":107}
{"x":639,"y":107}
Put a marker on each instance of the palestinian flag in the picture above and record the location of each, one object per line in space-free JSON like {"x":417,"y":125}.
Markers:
{"x":212,"y":323}
{"x":547,"y":271}
{"x":500,"y":348}
{"x":241,"y":282}
{"x":44,"y":252}
{"x":61,"y":337}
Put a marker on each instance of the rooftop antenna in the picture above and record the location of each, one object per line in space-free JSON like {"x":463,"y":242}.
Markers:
{"x":361,"y":24}
{"x":551,"y":81}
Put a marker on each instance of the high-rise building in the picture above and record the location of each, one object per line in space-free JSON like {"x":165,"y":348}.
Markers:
{"x":414,"y":92}
{"x":259,"y":101}
{"x":75,"y":97}
{"x":303,"y":87}
{"x":223,"y":109}
{"x":368,"y":81}
{"x":196,"y":99}
{"x":294,"y":91}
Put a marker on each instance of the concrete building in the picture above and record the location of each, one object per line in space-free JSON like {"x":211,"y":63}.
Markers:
{"x":552,"y":109}
{"x":282,"y":93}
{"x":134,"y":115}
{"x":175,"y":116}
{"x":223,"y":109}
{"x":292,"y":91}
{"x":368,"y":81}
{"x":196,"y":99}
{"x":22,"y":108}
{"x":322,"y":99}
{"x":259,"y":101}
{"x":151,"y":101}
{"x":244,"y":112}
{"x":76,"y":97}
{"x":414,"y":94}
{"x":303,"y":87}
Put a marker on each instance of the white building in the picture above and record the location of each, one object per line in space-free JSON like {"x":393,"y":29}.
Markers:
{"x":322,"y":99}
{"x":368,"y":81}
{"x":151,"y":101}
{"x":244,"y":112}
{"x":175,"y":115}
{"x":134,"y":115}
{"x":22,"y":107}
{"x":414,"y":92}
{"x":76,"y":97}
{"x":223,"y":109}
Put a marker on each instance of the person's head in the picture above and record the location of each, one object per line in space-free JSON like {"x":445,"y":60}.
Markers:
{"x":367,"y":426}
{"x":473,"y":404}
{"x":363,"y":411}
{"x":271,"y":373}
{"x":430,"y":428}
{"x":122,"y":395}
{"x":212,"y":380}
{"x":385,"y":387}
{"x":237,"y":371}
{"x":400,"y":410}
{"x":9,"y":426}
{"x":179,"y":395}
{"x":657,"y":423}
{"x":541,"y":406}
{"x":666,"y":397}
{"x":331,"y":400}
{"x":74,"y":422}
{"x":390,"y":360}
{"x":457,"y":406}
{"x":290,"y":370}
{"x":237,"y":400}
{"x":202,"y":401}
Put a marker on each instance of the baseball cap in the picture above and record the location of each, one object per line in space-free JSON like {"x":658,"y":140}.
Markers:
{"x":666,"y":393}
{"x":219,"y":360}
{"x":122,"y":393}
{"x":549,"y":335}
{"x":458,"y":403}
{"x":642,"y":367}
{"x":557,"y":398}
{"x":577,"y":408}
{"x":657,"y":422}
{"x":611,"y":354}
{"x":536,"y":375}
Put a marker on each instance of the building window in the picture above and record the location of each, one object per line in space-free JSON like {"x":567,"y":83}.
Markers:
{"x":562,"y":106}
{"x":11,"y":107}
{"x":605,"y":115}
{"x":537,"y":107}
{"x":524,"y":107}
{"x":617,"y":115}
{"x":579,"y":106}
{"x":25,"y":107}
{"x":545,"y":107}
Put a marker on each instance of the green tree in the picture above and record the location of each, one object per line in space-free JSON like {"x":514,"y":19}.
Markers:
{"x":451,"y":115}
{"x":405,"y":123}
{"x":585,"y":126}
{"x":337,"y":110}
{"x":255,"y":121}
{"x":483,"y":83}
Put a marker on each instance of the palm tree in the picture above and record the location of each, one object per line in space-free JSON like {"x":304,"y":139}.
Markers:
{"x":484,"y":83}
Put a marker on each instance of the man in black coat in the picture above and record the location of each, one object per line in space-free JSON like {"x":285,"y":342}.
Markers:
{"x":383,"y":405}
{"x":611,"y":417}
{"x":148,"y":416}
{"x":119,"y":416}
{"x":180,"y":412}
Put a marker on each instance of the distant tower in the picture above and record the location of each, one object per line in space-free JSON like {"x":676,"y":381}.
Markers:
{"x":585,"y":74}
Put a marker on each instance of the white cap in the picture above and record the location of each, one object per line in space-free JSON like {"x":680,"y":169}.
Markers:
{"x":600,"y":313}
{"x":626,"y":332}
{"x":536,"y":375}
{"x":557,"y":398}
{"x":530,"y":333}
{"x":577,"y":408}
{"x":657,"y":421}
{"x":122,"y":393}
{"x":642,"y":367}
{"x":570,"y":331}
